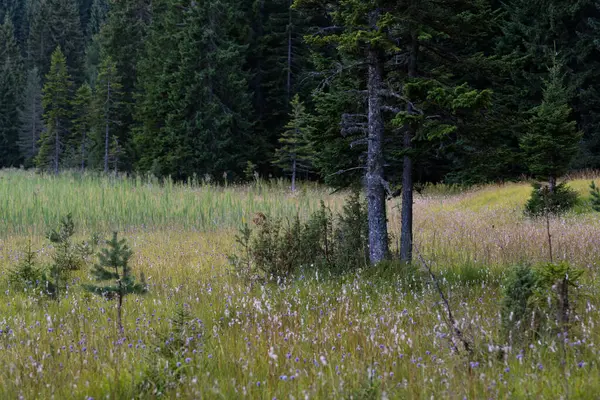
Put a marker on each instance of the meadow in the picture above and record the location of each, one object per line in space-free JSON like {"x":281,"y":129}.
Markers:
{"x":371,"y":334}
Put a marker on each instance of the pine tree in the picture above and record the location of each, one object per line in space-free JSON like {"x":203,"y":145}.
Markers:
{"x":11,"y":67}
{"x":113,"y":268}
{"x":83,"y":119}
{"x":552,"y":138}
{"x":108,"y":100}
{"x":56,"y":103}
{"x":30,"y":117}
{"x":293,"y":155}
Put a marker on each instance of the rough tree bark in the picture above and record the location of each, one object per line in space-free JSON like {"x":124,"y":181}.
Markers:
{"x":374,"y":179}
{"x":406,"y":234}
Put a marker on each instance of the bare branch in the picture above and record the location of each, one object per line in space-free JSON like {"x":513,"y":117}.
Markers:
{"x":451,"y":321}
{"x":354,"y":129}
{"x":395,"y":110}
{"x":343,"y":171}
{"x":359,"y":142}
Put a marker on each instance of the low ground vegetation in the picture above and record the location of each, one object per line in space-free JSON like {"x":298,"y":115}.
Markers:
{"x":214,"y":326}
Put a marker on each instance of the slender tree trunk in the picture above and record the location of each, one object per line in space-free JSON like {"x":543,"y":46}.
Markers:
{"x":119,"y":308}
{"x":289,"y":55}
{"x":33,"y":128}
{"x":552,"y":184}
{"x":107,"y":131}
{"x":83,"y":151}
{"x":406,"y":234}
{"x":294,"y":174}
{"x":56,"y":146}
{"x":375,"y":192}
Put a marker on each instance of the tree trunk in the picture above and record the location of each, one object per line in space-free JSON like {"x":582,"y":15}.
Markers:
{"x":552,"y":184}
{"x":56,"y":146}
{"x":406,"y":234}
{"x":83,"y":152}
{"x":294,"y":174}
{"x":374,"y":179}
{"x":289,"y":55}
{"x":107,"y":132}
{"x":119,"y":308}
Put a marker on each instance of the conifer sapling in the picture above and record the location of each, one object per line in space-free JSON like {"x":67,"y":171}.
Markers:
{"x":113,"y":269}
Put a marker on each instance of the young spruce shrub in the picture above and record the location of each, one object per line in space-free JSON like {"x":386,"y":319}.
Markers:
{"x":543,"y":201}
{"x":26,"y":274}
{"x":113,"y":269}
{"x":595,"y":196}
{"x":538,"y":300}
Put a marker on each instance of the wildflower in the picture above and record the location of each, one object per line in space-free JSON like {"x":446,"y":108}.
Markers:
{"x":188,"y":360}
{"x":474,"y":364}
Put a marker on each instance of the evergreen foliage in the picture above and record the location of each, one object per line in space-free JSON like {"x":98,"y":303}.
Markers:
{"x":56,"y":23}
{"x":195,"y":103}
{"x":64,"y":259}
{"x":595,"y":196}
{"x":83,"y":120}
{"x":107,"y":105}
{"x":26,"y":274}
{"x":30,"y":117}
{"x":278,"y":249}
{"x":552,"y":139}
{"x":544,"y":201}
{"x":11,"y":65}
{"x":56,"y":102}
{"x":293,"y":155}
{"x":113,"y":270}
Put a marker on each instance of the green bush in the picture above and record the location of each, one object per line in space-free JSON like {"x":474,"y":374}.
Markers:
{"x":27,"y":274}
{"x":595,"y":196}
{"x":543,"y":201}
{"x":278,"y":248}
{"x":538,"y":300}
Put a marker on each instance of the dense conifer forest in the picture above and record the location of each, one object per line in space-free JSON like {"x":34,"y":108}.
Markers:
{"x":461,"y":91}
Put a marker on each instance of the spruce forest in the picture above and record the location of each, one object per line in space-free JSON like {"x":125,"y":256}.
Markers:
{"x":286,"y":199}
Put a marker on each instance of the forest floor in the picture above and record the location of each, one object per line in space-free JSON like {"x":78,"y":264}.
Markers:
{"x":204,"y":331}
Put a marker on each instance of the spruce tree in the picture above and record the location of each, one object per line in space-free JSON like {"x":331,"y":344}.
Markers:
{"x":108,"y":101}
{"x":122,"y":37}
{"x":98,"y":17}
{"x":195,"y":104}
{"x":11,"y":70}
{"x":56,"y":23}
{"x":293,"y":155}
{"x":552,"y":138}
{"x":30,"y":117}
{"x":83,"y":118}
{"x":56,"y":103}
{"x":113,"y":269}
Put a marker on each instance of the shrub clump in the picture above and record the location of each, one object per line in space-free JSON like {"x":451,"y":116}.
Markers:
{"x":544,"y":201}
{"x":278,"y":248}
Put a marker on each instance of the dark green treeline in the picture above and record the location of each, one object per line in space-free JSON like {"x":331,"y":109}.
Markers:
{"x":230,"y":88}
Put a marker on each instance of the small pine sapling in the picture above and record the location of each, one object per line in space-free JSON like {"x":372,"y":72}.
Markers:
{"x":65,"y":257}
{"x":113,"y":267}
{"x":26,"y":274}
{"x":595,"y":196}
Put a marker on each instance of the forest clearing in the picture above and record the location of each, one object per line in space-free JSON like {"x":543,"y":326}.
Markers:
{"x":205,"y":330}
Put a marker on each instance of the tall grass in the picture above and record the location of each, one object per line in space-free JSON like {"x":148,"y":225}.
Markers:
{"x":30,"y":203}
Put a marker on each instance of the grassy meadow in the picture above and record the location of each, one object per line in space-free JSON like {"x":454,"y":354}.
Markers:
{"x":372,"y":334}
